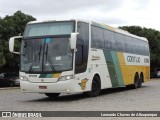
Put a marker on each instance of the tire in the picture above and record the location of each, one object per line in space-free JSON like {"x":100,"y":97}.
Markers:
{"x":52,"y":95}
{"x":136,"y":82}
{"x":11,"y":84}
{"x":96,"y":87}
{"x":140,"y":81}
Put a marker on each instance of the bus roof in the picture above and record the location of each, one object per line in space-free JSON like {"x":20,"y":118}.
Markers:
{"x":101,"y":25}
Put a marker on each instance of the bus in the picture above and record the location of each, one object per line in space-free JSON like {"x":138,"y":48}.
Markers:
{"x":80,"y":56}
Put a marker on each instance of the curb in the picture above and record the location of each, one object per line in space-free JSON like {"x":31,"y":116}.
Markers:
{"x":9,"y":88}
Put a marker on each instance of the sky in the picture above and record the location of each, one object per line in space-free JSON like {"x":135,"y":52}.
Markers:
{"x":144,"y":13}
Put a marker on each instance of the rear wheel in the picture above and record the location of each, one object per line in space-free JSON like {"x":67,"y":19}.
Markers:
{"x":96,"y":87}
{"x":140,"y":81}
{"x":52,"y":95}
{"x":136,"y":81}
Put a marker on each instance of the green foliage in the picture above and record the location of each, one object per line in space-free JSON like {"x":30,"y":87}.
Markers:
{"x":2,"y":59}
{"x":153,"y":37}
{"x":11,"y":26}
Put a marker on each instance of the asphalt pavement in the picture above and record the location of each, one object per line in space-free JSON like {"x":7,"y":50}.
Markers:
{"x":146,"y":98}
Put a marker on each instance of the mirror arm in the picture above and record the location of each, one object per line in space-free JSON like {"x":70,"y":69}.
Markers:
{"x":11,"y":44}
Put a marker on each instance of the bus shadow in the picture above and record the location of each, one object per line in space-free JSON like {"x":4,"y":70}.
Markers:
{"x":80,"y":96}
{"x":119,"y":89}
{"x":66,"y":97}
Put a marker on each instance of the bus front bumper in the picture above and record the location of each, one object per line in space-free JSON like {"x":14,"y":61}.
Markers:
{"x":68,"y":86}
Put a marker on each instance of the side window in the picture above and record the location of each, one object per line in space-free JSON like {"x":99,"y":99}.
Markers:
{"x":97,"y":37}
{"x":134,"y":44}
{"x":146,"y":48}
{"x":79,"y":55}
{"x":120,"y":44}
{"x":83,"y":36}
{"x":137,"y":46}
{"x":129,"y":47}
{"x":6,"y":75}
{"x":100,"y":38}
{"x":142,"y":47}
{"x":144,"y":52}
{"x":109,"y":40}
{"x":94,"y":41}
{"x":82,"y":47}
{"x":2,"y":75}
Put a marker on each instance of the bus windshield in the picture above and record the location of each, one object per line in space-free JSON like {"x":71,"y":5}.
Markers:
{"x":46,"y":48}
{"x":49,"y":29}
{"x":46,"y":55}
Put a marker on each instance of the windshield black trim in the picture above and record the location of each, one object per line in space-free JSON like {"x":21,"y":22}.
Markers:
{"x":45,"y":36}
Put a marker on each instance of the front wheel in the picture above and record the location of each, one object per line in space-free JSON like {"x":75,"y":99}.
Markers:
{"x":96,"y":87}
{"x":52,"y":95}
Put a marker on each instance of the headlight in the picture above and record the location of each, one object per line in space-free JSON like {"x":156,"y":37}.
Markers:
{"x":24,"y":78}
{"x":67,"y":77}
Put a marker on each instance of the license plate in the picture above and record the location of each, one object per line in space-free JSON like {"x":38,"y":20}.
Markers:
{"x":42,"y":87}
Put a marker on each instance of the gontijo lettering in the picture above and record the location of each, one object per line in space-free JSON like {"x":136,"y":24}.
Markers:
{"x":133,"y":59}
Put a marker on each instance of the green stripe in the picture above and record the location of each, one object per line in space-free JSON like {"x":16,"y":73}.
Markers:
{"x":111,"y":67}
{"x":118,"y":70}
{"x":49,"y":75}
{"x":42,"y":75}
{"x":114,"y":68}
{"x":46,"y":76}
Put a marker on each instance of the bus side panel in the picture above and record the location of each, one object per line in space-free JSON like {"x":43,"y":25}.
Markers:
{"x":147,"y":74}
{"x":128,"y":71}
{"x":98,"y":65}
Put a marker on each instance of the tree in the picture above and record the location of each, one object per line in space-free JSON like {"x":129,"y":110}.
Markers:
{"x":2,"y":59}
{"x":11,"y":26}
{"x":153,"y":37}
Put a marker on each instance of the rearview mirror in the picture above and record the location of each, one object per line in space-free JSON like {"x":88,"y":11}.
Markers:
{"x":11,"y":44}
{"x":73,"y":40}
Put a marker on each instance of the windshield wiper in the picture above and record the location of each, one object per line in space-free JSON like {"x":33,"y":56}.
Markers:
{"x":24,"y":49}
{"x":49,"y":59}
{"x":39,"y":53}
{"x":46,"y":52}
{"x":30,"y":68}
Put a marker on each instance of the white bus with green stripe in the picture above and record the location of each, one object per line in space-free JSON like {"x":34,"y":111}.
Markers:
{"x":72,"y":56}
